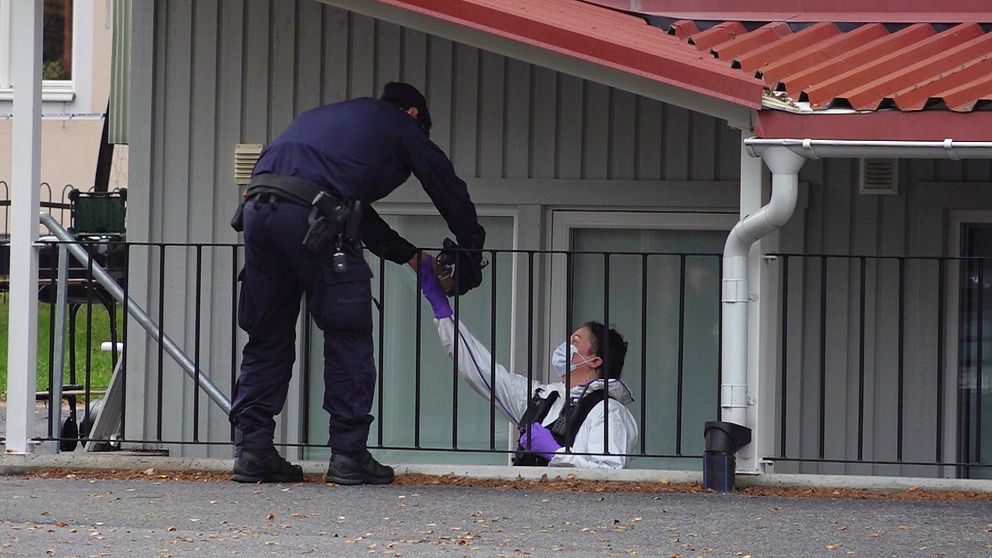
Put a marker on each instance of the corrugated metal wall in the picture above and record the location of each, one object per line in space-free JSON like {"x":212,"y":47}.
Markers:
{"x":209,"y":75}
{"x":839,"y":220}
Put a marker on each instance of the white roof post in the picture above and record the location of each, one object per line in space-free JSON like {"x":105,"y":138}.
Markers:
{"x":22,"y":341}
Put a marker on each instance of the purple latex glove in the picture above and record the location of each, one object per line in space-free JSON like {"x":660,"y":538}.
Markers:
{"x":432,"y":289}
{"x":542,"y":441}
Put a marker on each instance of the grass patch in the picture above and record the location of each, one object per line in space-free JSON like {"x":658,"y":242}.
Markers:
{"x":100,"y":363}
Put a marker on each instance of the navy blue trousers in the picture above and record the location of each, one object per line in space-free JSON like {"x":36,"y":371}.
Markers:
{"x":278,"y":272}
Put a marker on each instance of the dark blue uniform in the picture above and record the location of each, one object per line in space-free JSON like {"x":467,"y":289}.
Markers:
{"x":361,"y":149}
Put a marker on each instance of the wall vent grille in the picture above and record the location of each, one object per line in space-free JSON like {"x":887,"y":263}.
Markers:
{"x":245,"y":157}
{"x":879,"y":177}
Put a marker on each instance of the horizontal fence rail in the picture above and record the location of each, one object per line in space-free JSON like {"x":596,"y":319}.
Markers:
{"x":882,"y":364}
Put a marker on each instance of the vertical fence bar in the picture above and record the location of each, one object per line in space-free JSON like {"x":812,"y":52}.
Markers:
{"x":978,"y":362}
{"x":417,"y":354}
{"x":568,"y":337}
{"x":783,"y":418}
{"x":196,"y":340}
{"x":382,"y":349}
{"x":939,"y":453}
{"x":54,"y":405}
{"x":823,"y":356}
{"x":644,"y":352}
{"x":606,"y":352}
{"x":454,"y":366}
{"x":901,"y":358}
{"x":306,"y":371}
{"x":234,"y":324}
{"x":530,"y":331}
{"x":124,"y":351}
{"x":87,"y":385}
{"x":492,"y":354}
{"x":681,"y":362}
{"x":161,"y":345}
{"x":861,"y":362}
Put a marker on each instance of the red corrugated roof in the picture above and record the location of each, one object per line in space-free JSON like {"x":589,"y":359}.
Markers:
{"x":602,"y":36}
{"x":864,"y":67}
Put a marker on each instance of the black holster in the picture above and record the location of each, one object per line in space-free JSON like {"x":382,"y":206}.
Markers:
{"x":327,"y":219}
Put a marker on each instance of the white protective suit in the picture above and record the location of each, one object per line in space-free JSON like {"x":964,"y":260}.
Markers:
{"x":513,"y":393}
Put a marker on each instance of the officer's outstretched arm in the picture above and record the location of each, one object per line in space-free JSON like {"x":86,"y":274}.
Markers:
{"x":511,"y":391}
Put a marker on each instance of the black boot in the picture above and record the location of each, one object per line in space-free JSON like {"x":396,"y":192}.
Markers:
{"x":358,"y":469}
{"x":264,"y":466}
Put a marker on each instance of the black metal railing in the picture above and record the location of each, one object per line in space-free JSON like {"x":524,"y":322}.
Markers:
{"x":191,"y":291}
{"x":869,"y":347}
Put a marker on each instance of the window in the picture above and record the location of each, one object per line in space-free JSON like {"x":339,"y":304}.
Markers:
{"x":57,"y":41}
{"x":66,"y":48}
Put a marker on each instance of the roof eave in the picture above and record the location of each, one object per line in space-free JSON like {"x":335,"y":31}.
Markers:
{"x":669,"y":80}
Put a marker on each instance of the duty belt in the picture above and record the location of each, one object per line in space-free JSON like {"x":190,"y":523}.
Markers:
{"x":289,"y":188}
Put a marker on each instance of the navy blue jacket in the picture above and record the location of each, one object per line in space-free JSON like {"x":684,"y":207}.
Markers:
{"x":364,"y":149}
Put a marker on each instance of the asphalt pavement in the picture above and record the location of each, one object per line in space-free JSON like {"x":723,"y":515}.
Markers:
{"x":166,"y":518}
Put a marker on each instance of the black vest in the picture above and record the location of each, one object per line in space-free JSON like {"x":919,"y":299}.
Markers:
{"x":564,"y":429}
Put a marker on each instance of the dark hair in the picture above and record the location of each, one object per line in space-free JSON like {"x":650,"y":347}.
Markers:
{"x":610,"y":346}
{"x":404,"y":96}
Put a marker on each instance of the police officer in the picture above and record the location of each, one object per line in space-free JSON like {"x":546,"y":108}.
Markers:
{"x":316,"y":183}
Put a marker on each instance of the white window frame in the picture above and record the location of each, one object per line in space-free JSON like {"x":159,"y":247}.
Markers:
{"x":76,"y":91}
{"x":564,"y":221}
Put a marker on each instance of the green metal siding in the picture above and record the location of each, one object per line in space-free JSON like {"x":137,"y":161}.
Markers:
{"x":120,"y":71}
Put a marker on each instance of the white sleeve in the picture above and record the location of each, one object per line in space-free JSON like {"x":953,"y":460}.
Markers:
{"x":513,"y":391}
{"x":589,"y":439}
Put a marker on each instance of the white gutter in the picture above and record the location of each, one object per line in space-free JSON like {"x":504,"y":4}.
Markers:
{"x":784,"y":157}
{"x":849,"y":149}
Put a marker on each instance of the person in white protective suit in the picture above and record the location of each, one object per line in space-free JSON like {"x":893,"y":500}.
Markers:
{"x":596,"y":429}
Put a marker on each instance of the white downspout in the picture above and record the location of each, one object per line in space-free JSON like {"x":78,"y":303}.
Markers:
{"x":785,"y":166}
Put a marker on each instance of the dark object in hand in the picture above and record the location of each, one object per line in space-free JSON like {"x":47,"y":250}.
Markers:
{"x":468,"y":267}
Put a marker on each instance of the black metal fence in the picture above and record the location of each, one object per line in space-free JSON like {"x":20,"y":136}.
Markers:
{"x":881,"y":359}
{"x":882,"y":363}
{"x":190,"y":290}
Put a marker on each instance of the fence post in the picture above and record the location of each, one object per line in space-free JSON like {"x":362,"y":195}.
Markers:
{"x":22,"y":341}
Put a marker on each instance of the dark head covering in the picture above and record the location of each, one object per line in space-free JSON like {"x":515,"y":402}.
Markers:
{"x":405,"y":95}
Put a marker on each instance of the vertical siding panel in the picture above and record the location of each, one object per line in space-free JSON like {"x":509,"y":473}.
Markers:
{"x":490,"y":151}
{"x":517,"y":136}
{"x":336,"y":55}
{"x":202,"y":178}
{"x":544,"y":122}
{"x":465,"y":122}
{"x":727,"y":152}
{"x":388,"y":56}
{"x":650,"y":132}
{"x":675,"y":143}
{"x":362,"y":35}
{"x":596,"y":131}
{"x":702,"y":146}
{"x":416,"y":63}
{"x":439,"y":61}
{"x":864,"y":240}
{"x":977,"y":170}
{"x":255,"y":87}
{"x":809,"y":381}
{"x":309,"y":49}
{"x":623,"y":137}
{"x":570,"y":126}
{"x":282,"y":67}
{"x":893,"y":218}
{"x":837,"y":240}
{"x":176,"y":205}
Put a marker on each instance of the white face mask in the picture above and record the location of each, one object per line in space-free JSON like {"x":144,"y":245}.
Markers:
{"x":559,"y":359}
